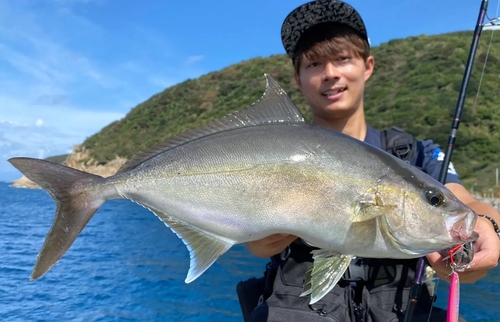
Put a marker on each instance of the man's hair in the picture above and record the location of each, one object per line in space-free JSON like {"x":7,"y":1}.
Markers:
{"x":327,"y":40}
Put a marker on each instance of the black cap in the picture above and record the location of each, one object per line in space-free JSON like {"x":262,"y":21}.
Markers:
{"x":315,"y":12}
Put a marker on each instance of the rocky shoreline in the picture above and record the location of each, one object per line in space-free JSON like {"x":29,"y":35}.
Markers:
{"x":24,"y":182}
{"x":79,"y":159}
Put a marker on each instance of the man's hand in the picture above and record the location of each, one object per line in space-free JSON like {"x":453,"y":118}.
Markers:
{"x":271,"y":245}
{"x":486,"y":254}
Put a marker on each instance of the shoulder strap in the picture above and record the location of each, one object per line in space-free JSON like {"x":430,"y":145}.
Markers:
{"x":403,"y":145}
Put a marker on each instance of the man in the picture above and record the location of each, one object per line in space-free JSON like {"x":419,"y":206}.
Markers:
{"x":329,"y":48}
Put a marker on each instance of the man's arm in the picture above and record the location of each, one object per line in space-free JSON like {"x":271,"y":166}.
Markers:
{"x":271,"y":245}
{"x":479,"y":207}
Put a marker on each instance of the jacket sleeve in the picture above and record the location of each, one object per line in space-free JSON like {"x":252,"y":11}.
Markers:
{"x":433,"y":161}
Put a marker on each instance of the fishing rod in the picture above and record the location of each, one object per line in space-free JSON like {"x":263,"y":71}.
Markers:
{"x":419,"y":272}
{"x":463,"y":90}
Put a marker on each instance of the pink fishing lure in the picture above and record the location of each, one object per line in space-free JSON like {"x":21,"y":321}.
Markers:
{"x":453,"y":298}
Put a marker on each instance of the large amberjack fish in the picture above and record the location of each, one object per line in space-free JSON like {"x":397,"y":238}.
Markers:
{"x":261,"y":171}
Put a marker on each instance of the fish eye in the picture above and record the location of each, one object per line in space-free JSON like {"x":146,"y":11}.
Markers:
{"x":434,"y":197}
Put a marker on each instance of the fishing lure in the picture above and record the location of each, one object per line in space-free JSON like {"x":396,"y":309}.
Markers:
{"x":460,"y":258}
{"x":453,"y":298}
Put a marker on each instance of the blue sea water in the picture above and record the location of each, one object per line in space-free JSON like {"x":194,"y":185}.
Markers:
{"x":128,"y":266}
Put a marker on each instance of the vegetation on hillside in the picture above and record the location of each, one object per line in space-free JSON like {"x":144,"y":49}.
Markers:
{"x":57,"y":158}
{"x":415,"y":86}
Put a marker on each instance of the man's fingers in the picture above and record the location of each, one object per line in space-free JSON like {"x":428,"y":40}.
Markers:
{"x":485,"y":259}
{"x":270,"y":245}
{"x":286,"y":240}
{"x":274,"y":238}
{"x":434,"y":257}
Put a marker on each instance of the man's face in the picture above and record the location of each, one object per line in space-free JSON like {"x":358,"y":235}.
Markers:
{"x":334,"y":87}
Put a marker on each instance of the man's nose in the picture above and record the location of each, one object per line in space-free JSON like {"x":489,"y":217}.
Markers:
{"x":331,"y":71}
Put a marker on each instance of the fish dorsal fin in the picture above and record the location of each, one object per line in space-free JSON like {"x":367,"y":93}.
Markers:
{"x":273,"y":107}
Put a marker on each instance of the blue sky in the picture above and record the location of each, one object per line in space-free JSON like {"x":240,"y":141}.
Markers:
{"x":70,"y":67}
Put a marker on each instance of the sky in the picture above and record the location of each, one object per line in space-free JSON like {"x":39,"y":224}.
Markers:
{"x":70,"y":67}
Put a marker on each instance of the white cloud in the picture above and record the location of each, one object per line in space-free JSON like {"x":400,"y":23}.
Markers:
{"x":64,"y":77}
{"x":53,"y":99}
{"x":161,"y":82}
{"x":39,"y":112}
{"x":194,"y":59}
{"x":70,"y":2}
{"x":68,"y":120}
{"x":29,"y":141}
{"x":50,"y":63}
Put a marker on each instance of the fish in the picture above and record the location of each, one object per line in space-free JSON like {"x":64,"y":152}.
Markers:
{"x":260,"y":171}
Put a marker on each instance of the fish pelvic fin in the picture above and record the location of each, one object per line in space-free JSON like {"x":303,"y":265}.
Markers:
{"x":76,"y":204}
{"x":327,"y":269}
{"x":204,"y":247}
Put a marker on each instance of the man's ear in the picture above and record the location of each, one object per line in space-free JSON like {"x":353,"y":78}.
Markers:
{"x":298,"y":81}
{"x":369,"y":66}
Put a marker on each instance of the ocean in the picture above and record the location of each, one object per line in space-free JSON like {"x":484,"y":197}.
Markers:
{"x":128,"y":266}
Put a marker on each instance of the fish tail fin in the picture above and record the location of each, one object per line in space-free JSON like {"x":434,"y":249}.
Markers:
{"x":77,"y":195}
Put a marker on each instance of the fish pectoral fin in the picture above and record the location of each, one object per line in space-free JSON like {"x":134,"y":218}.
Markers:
{"x":365,"y":211}
{"x":327,"y":269}
{"x":204,"y":248}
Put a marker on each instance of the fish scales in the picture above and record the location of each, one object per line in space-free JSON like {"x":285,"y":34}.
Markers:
{"x":259,"y":181}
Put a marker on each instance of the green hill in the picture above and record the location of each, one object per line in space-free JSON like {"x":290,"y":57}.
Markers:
{"x":415,"y":86}
{"x":58,"y":158}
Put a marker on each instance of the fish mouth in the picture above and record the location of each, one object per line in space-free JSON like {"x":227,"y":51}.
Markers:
{"x":463,"y":230}
{"x":472,"y":237}
{"x":458,"y":229}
